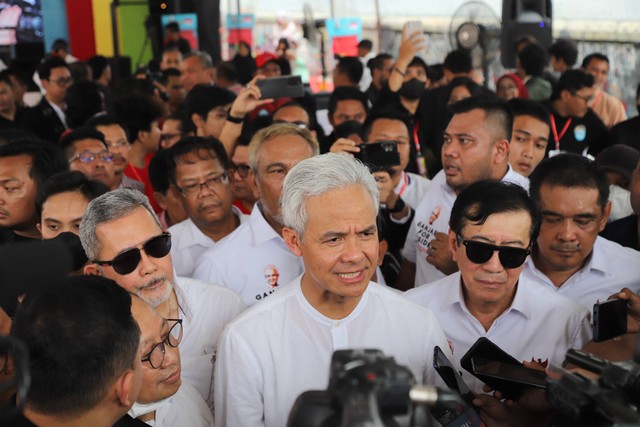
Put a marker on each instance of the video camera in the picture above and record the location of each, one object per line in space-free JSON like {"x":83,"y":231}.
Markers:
{"x":368,"y":389}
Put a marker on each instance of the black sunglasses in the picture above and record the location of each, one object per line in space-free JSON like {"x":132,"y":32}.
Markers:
{"x":127,"y":261}
{"x":480,"y":252}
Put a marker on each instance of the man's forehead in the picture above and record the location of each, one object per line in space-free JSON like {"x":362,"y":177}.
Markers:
{"x":554,"y":196}
{"x":388,"y":126}
{"x":14,"y":167}
{"x":89,"y":144}
{"x":139,"y":224}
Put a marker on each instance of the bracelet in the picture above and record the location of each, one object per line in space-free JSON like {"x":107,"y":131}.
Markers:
{"x":232,"y":119}
{"x":400,"y":72}
{"x":398,"y":206}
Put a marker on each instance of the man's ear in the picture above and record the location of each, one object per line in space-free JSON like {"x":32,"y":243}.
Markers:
{"x":383,"y":247}
{"x":605,"y":217}
{"x":39,"y":228}
{"x":122,"y":388}
{"x":453,"y":244}
{"x":92,"y":270}
{"x":292,"y":240}
{"x":502,"y":151}
{"x":160,"y":199}
{"x":198,"y":121}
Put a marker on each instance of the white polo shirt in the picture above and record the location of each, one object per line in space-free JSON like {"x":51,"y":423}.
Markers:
{"x":540,"y":325}
{"x":205,"y":310}
{"x":412,"y":188}
{"x":432,"y":216}
{"x":239,"y":262}
{"x":188,"y":243}
{"x":610,"y":268}
{"x":185,"y":408}
{"x":283,"y":346}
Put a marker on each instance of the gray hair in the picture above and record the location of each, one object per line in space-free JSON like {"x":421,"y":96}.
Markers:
{"x":204,"y":57}
{"x":318,"y":175}
{"x":106,"y":208}
{"x":274,"y":131}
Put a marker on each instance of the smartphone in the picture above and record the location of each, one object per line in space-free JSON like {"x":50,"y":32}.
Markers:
{"x":454,"y":381}
{"x":379,"y":155}
{"x":280,"y":87}
{"x":493,"y":371}
{"x":609,"y":319}
{"x":484,"y":349}
{"x":412,"y":27}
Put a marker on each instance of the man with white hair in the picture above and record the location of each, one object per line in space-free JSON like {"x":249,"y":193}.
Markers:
{"x":283,"y":346}
{"x":124,"y":242}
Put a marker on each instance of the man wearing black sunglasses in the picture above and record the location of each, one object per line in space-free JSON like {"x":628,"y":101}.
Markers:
{"x":164,"y":398}
{"x":492,"y":228}
{"x":124,"y":242}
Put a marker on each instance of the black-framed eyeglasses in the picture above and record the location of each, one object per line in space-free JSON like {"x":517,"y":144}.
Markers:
{"x":586,"y":99}
{"x":212,"y":183}
{"x":88,"y":156}
{"x":63,"y":81}
{"x":480,"y":252}
{"x":173,"y":338}
{"x":127,"y":261}
{"x":241,"y":170}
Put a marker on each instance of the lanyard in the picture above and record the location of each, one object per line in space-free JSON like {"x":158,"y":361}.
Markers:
{"x":595,"y":101}
{"x":562,"y":132}
{"x":421,"y":162}
{"x":405,"y":183}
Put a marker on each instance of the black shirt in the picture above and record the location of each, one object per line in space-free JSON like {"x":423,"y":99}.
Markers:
{"x":588,"y":132}
{"x":627,"y":133}
{"x":623,"y":231}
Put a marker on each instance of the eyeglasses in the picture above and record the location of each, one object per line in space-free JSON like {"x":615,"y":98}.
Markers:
{"x":242,"y":170}
{"x":586,"y":99}
{"x":88,"y":156}
{"x":63,"y":82}
{"x":156,"y":356}
{"x":299,"y":123}
{"x":127,"y":261}
{"x":211,"y":183}
{"x":480,"y":252}
{"x":118,"y":144}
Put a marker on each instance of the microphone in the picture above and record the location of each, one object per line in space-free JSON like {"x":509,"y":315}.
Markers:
{"x":433,"y":396}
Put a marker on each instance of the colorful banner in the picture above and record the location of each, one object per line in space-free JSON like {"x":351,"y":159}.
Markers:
{"x":344,"y":34}
{"x":240,"y":28}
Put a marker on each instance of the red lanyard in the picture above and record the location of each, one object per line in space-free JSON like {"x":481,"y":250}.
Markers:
{"x":405,"y":183}
{"x":595,"y":101}
{"x":562,"y":132}
{"x":421,"y":162}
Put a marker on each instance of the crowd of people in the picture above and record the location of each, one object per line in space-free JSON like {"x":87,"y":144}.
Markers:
{"x":225,"y":245}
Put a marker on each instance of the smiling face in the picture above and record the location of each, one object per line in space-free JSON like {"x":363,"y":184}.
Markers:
{"x":163,"y":382}
{"x":490,"y":283}
{"x":528,"y":145}
{"x":340,"y":246}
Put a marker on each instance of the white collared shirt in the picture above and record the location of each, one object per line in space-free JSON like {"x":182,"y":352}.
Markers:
{"x":432,"y":216}
{"x":185,"y":408}
{"x":188,"y":242}
{"x":609,"y":268}
{"x":283,"y":346}
{"x":239,"y":262}
{"x":205,"y":310}
{"x":539,"y":325}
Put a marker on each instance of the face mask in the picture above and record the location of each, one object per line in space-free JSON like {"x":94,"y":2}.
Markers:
{"x":413,"y":89}
{"x":139,"y":409}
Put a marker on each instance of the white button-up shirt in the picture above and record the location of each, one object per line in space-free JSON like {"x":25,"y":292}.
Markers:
{"x":243,"y":259}
{"x":283,"y":346}
{"x":609,"y":268}
{"x":539,"y":325}
{"x":188,"y":242}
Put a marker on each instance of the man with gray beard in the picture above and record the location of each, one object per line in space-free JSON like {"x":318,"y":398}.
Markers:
{"x":124,"y":242}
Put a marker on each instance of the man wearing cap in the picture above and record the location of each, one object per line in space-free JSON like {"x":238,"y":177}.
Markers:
{"x":619,"y":161}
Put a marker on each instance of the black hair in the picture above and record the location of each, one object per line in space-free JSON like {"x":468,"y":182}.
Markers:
{"x":533,"y":59}
{"x":81,"y":336}
{"x":476,"y":203}
{"x":418,"y":62}
{"x":67,"y":141}
{"x":21,"y":76}
{"x":186,"y":125}
{"x":473,"y":88}
{"x":312,"y":121}
{"x":203,"y":98}
{"x":345,"y":93}
{"x":528,"y":107}
{"x":47,"y":158}
{"x":97,"y":64}
{"x":352,"y":67}
{"x":45,"y":67}
{"x":572,"y":171}
{"x":349,"y":127}
{"x":458,"y":61}
{"x":132,"y":85}
{"x":377,"y":62}
{"x":366,"y":43}
{"x":598,"y":56}
{"x":495,"y":109}
{"x":572,"y":81}
{"x":59,"y":44}
{"x":435,"y":72}
{"x":173,"y":27}
{"x":158,"y":171}
{"x":136,"y":112}
{"x":104,"y":120}
{"x":386,"y":113}
{"x":84,"y":100}
{"x":195,"y":145}
{"x":227,"y":71}
{"x":566,"y":50}
{"x":69,"y":181}
{"x":5,"y":77}
{"x":169,"y":72}
{"x":79,"y":71}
